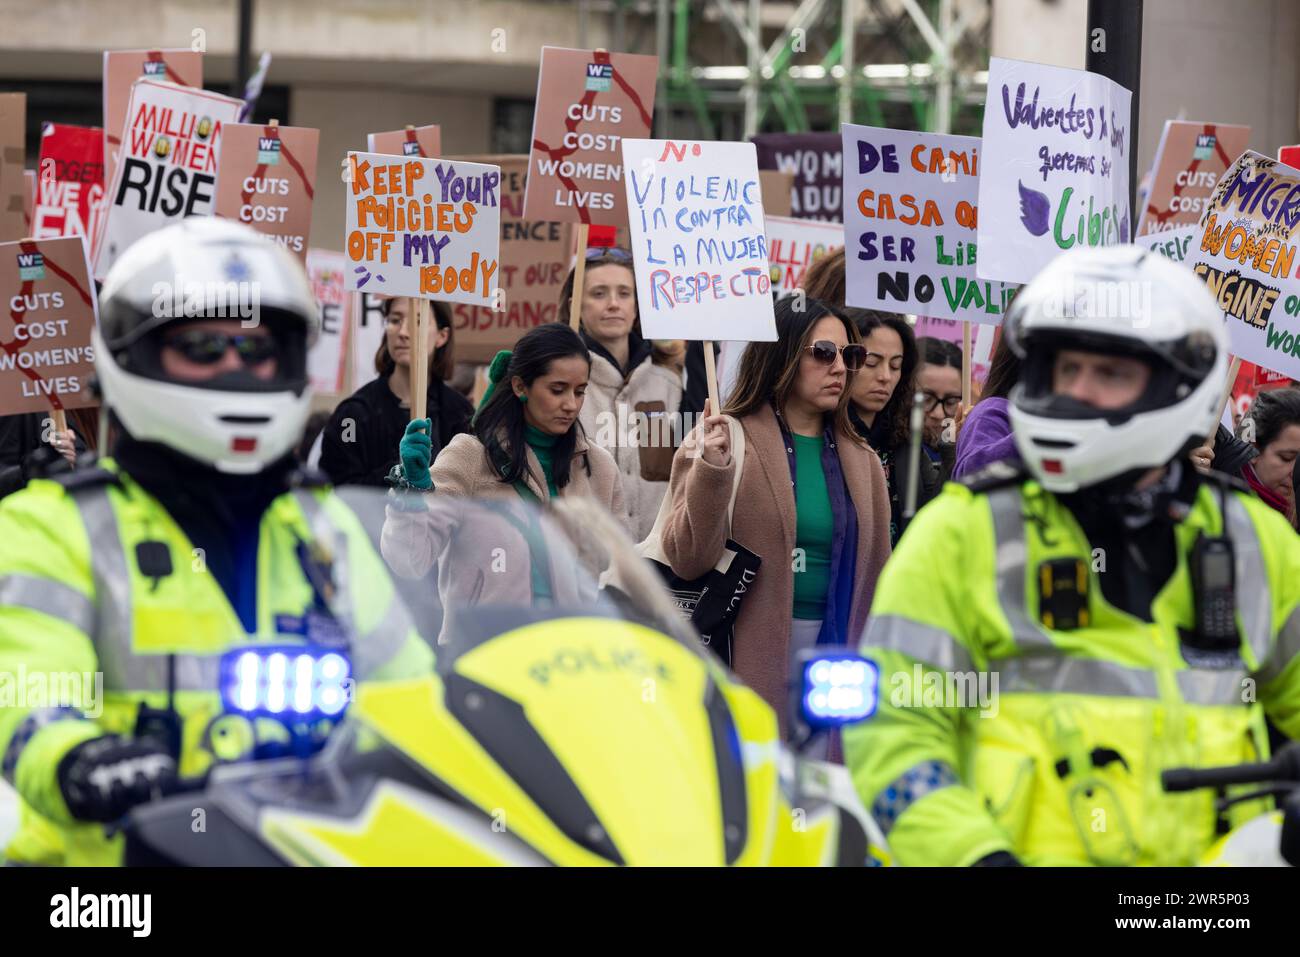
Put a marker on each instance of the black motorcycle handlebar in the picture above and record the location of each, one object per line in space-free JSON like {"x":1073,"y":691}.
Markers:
{"x":1284,"y":767}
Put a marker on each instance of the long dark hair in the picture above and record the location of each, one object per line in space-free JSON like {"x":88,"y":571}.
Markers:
{"x":500,"y":423}
{"x":443,"y":360}
{"x":1271,"y":412}
{"x":897,"y":410}
{"x":1004,"y":372}
{"x":768,"y":370}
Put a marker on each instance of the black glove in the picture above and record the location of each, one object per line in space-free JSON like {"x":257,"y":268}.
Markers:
{"x":998,"y":859}
{"x":103,"y":778}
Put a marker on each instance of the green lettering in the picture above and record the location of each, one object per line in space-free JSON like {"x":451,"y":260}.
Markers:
{"x":1061,"y":241}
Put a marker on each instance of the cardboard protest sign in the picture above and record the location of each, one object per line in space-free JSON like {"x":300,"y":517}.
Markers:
{"x":121,"y":69}
{"x":326,"y":361}
{"x":168,"y":164}
{"x":535,"y":257}
{"x":910,"y":219}
{"x":1054,"y":170}
{"x":815,"y":160}
{"x":775,"y":188}
{"x":795,"y":244}
{"x":266,"y":179}
{"x":698,"y":240}
{"x":46,"y":356}
{"x":588,"y":102}
{"x":70,"y":190}
{"x":1245,"y":253}
{"x":423,"y":141}
{"x":13,"y":156}
{"x":422,"y":227}
{"x":1175,"y":244}
{"x":1189,"y":161}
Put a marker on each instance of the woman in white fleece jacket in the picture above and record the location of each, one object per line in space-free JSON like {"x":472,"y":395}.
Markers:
{"x":632,"y":396}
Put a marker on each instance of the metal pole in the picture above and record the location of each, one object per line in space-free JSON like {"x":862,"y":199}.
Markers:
{"x":847,"y":31}
{"x":242,"y":69}
{"x":753,"y":56}
{"x":943,"y":92}
{"x":1114,"y":45}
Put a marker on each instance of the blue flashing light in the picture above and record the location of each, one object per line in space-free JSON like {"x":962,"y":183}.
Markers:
{"x":839,"y":689}
{"x":296,"y":682}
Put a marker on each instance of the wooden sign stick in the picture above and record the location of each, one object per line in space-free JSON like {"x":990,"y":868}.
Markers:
{"x":965,"y":365}
{"x":1233,"y":368}
{"x":579,"y":277}
{"x":420,"y":361}
{"x":711,"y":376}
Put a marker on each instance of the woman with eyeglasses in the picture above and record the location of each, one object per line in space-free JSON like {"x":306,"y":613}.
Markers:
{"x":939,"y":380}
{"x":811,"y":502}
{"x":633,"y":391}
{"x":359,"y":445}
{"x":881,"y":398}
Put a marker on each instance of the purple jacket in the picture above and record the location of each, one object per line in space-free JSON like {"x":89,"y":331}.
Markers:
{"x":985,"y":438}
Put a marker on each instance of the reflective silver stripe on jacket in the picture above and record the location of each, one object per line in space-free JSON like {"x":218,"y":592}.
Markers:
{"x":925,"y":643}
{"x":1212,"y":686}
{"x":1284,"y":651}
{"x":112,"y":577}
{"x":1012,"y":558}
{"x":372,"y":650}
{"x":1254,"y":597}
{"x":1065,"y":674}
{"x":49,"y":597}
{"x":912,"y":785}
{"x":36,"y":719}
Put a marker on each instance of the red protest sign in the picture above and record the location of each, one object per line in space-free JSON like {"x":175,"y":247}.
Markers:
{"x":588,"y":102}
{"x":70,"y":186}
{"x":266,"y":179}
{"x":46,"y":356}
{"x":124,"y":67}
{"x":423,"y":141}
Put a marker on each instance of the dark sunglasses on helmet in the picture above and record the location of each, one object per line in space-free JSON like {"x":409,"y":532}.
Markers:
{"x":207,"y":346}
{"x":824,"y":351}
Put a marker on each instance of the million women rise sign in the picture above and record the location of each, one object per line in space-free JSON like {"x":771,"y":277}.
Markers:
{"x":167,"y":168}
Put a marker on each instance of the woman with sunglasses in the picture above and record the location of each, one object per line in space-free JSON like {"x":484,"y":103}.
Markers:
{"x":631,"y":391}
{"x":811,"y":502}
{"x":359,"y":445}
{"x":880,"y":401}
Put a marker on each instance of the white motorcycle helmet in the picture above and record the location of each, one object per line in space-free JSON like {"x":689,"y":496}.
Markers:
{"x":1115,"y":300}
{"x":205,"y":268}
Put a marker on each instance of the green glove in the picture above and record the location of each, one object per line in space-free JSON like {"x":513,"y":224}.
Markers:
{"x":416,"y":451}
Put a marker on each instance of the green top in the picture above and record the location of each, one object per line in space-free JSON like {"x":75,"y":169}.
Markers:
{"x":814,"y":528}
{"x":543,"y":446}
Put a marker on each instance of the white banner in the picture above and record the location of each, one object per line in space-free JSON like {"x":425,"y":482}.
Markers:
{"x":1054,"y":174}
{"x":325,"y":362}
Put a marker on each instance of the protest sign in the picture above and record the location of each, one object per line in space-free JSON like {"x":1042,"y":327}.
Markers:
{"x":910,"y":221}
{"x":365,"y":333}
{"x":1244,"y":253}
{"x":13,"y":156}
{"x":795,"y":244}
{"x":325,"y":362}
{"x":423,"y":141}
{"x":775,"y":188}
{"x":1054,"y":169}
{"x":70,"y":188}
{"x":1251,"y":381}
{"x":1289,"y":156}
{"x":535,"y":257}
{"x":46,"y":356}
{"x":266,"y":179}
{"x":588,"y":102}
{"x":168,"y":164}
{"x":815,"y":160}
{"x":698,"y":241}
{"x":422,"y":227}
{"x":1189,"y":161}
{"x":1175,"y":244}
{"x":121,"y":69}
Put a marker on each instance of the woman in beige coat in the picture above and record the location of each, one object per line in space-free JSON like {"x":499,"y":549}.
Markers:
{"x":527,"y":447}
{"x":811,"y":502}
{"x":634,"y":395}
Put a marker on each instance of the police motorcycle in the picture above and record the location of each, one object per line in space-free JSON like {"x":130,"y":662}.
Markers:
{"x":1271,"y":839}
{"x":578,"y":725}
